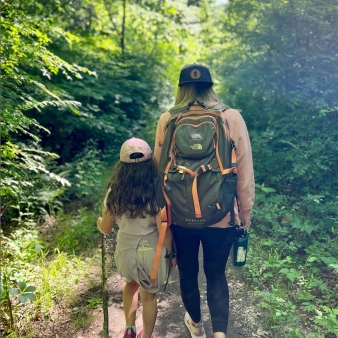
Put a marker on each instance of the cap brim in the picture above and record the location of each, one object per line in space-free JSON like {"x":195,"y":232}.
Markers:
{"x":196,"y":81}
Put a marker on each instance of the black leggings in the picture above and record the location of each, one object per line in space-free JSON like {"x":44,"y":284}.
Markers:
{"x":216,"y":243}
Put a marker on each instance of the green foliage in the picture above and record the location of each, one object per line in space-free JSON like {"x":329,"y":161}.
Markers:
{"x":134,"y":80}
{"x":328,"y":319}
{"x":94,"y":303}
{"x":57,"y":280}
{"x":62,"y":126}
{"x":48,"y":266}
{"x":26,"y":61}
{"x":87,"y":172}
{"x":65,"y":109}
{"x":72,"y":229}
{"x":28,"y":189}
{"x":281,"y":311}
{"x":26,"y":292}
{"x":283,"y":83}
{"x":274,"y":61}
{"x":19,"y":252}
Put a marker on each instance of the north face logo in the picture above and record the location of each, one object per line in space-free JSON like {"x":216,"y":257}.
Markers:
{"x":196,"y":146}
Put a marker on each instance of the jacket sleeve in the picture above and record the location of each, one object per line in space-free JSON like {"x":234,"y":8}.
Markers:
{"x":245,"y":175}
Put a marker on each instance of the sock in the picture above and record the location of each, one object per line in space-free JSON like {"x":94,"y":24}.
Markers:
{"x":131,"y":328}
{"x":197,"y":325}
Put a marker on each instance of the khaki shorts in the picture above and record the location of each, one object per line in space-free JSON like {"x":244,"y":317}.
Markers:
{"x":134,"y":258}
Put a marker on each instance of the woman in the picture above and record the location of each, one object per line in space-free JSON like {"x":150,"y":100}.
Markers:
{"x":195,"y":93}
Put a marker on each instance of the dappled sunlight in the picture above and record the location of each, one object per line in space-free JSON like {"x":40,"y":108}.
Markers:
{"x":80,"y":77}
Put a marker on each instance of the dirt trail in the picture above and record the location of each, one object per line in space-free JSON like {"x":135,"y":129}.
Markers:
{"x":244,"y":321}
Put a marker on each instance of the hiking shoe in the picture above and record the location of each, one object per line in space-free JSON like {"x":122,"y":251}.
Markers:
{"x":129,"y":333}
{"x":140,"y":334}
{"x":195,"y":331}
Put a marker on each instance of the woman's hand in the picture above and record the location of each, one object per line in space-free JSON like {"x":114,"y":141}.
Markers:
{"x":174,"y":263}
{"x":244,"y":224}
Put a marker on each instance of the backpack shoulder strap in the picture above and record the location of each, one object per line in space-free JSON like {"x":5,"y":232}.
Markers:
{"x":164,"y":225}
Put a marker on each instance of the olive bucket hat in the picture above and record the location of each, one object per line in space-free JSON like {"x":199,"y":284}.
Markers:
{"x":195,"y":73}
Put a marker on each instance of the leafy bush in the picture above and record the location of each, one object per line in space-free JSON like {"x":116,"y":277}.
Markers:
{"x":26,"y":59}
{"x":40,"y":268}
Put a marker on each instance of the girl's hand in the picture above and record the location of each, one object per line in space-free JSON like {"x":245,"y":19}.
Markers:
{"x":105,"y":223}
{"x":99,"y":222}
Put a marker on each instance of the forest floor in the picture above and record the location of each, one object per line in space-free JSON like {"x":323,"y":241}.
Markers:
{"x":81,"y":315}
{"x":80,"y":320}
{"x":244,"y":321}
{"x":76,"y":311}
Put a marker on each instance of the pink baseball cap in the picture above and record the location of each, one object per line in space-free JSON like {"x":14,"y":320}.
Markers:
{"x":135,"y":145}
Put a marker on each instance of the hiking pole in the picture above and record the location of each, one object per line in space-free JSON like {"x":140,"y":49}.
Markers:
{"x":104,"y":288}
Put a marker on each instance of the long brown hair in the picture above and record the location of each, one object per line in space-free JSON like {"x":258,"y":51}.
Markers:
{"x":132,"y":190}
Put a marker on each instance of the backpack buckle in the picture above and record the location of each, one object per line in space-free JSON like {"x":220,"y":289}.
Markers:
{"x":181,"y":169}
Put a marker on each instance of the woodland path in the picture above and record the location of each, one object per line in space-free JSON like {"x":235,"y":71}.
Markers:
{"x":244,"y":321}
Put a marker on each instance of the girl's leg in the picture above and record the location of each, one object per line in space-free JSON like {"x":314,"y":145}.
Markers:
{"x":149,"y":314}
{"x":130,"y":299}
{"x":187,"y":243}
{"x":216,"y":244}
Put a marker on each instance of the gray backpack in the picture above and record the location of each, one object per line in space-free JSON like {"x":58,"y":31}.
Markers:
{"x":197,"y":169}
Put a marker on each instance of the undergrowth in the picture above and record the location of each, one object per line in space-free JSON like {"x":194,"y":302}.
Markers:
{"x":43,"y":268}
{"x":293,"y":267}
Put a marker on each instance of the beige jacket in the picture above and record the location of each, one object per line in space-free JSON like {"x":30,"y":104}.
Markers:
{"x":245,"y":183}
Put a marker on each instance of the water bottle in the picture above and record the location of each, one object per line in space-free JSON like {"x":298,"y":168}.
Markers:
{"x":240,"y":248}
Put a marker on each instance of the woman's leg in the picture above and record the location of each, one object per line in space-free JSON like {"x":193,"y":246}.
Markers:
{"x":130,"y":299}
{"x":149,"y":314}
{"x":216,"y":244}
{"x":187,"y":243}
{"x":219,"y":335}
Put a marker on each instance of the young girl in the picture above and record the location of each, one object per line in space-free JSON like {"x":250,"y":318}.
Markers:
{"x":131,"y":203}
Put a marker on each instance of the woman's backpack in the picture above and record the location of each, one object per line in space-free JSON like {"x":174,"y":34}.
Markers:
{"x":197,"y":169}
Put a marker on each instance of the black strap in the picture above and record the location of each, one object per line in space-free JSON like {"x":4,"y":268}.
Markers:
{"x":170,"y":256}
{"x":232,"y":217}
{"x":232,"y":213}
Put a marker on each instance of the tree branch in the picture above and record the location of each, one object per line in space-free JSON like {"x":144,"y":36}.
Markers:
{"x":123,"y":25}
{"x":111,"y":17}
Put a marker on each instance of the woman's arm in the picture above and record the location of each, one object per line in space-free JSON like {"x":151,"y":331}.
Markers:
{"x":245,"y":189}
{"x":105,"y":223}
{"x":159,"y":136}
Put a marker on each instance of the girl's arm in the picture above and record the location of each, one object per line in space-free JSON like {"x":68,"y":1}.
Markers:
{"x":105,"y":223}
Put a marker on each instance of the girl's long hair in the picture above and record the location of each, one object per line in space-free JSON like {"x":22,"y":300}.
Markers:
{"x":203,"y":93}
{"x":132,"y":190}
